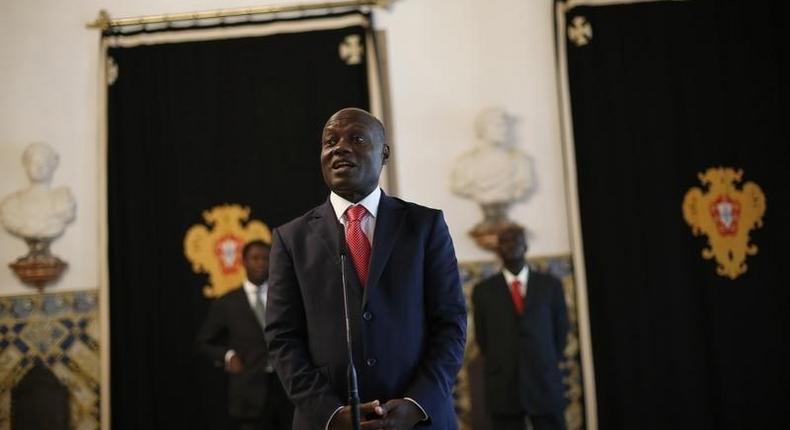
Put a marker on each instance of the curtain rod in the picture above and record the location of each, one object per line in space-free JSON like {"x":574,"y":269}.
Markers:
{"x":104,"y":22}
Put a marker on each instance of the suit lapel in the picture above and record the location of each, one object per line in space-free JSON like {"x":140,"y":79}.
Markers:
{"x":242,"y":303}
{"x":389,"y":220}
{"x":325,"y":227}
{"x":502,"y":292}
{"x":533,"y":291}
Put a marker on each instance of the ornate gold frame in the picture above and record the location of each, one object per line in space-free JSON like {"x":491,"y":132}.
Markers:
{"x":105,"y":22}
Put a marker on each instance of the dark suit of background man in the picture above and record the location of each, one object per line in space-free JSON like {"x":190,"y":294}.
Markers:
{"x":407,"y":311}
{"x":232,"y":337}
{"x":521,"y":324}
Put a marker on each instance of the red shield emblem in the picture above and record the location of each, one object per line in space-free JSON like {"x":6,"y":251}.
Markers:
{"x":228,"y":251}
{"x":726,"y":212}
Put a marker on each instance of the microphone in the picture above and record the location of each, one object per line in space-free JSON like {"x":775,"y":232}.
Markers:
{"x":353,"y":389}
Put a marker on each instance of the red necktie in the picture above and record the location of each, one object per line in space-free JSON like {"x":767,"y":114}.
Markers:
{"x":358,"y":244}
{"x":515,"y":293}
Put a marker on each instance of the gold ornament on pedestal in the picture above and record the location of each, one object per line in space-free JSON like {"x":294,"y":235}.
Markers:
{"x":38,"y":215}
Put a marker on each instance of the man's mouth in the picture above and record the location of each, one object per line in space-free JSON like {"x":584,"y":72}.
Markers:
{"x":342,"y":165}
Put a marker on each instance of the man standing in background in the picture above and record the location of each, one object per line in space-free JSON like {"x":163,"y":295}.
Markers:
{"x":521,"y":324}
{"x":232,"y":337}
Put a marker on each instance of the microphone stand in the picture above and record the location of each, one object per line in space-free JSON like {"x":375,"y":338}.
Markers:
{"x":353,"y":389}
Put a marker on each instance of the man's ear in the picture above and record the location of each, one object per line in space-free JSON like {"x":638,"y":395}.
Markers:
{"x":386,"y":153}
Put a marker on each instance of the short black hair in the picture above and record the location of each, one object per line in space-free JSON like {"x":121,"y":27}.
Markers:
{"x":512,"y":229}
{"x":377,"y":124}
{"x":251,"y":244}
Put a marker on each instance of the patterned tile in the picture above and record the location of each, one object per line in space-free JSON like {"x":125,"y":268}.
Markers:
{"x":43,"y":335}
{"x":22,"y":307}
{"x":5,"y":405}
{"x":61,"y":331}
{"x":8,"y":364}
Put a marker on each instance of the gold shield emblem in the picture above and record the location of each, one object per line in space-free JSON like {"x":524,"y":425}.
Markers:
{"x":217,"y":251}
{"x":726,"y":215}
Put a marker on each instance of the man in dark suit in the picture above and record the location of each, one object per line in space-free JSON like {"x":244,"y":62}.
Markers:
{"x":521,"y":324}
{"x":232,"y":337}
{"x":408,"y":317}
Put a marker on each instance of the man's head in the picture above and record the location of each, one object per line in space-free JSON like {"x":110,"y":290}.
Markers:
{"x":40,"y":161}
{"x":353,"y":152}
{"x":511,"y":244}
{"x":255,"y":257}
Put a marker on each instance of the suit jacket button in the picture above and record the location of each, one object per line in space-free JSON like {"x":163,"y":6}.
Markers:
{"x":367,"y":316}
{"x":371,"y":362}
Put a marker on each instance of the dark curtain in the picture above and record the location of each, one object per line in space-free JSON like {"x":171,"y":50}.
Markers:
{"x":662,"y":92}
{"x":194,"y":125}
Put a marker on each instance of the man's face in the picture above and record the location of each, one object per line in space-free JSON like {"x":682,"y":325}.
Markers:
{"x":511,"y":245}
{"x":256,"y":263}
{"x":353,"y":153}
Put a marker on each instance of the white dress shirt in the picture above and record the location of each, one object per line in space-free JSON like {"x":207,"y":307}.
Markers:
{"x":522,"y":277}
{"x":252,"y":289}
{"x":371,"y":204}
{"x":368,"y":225}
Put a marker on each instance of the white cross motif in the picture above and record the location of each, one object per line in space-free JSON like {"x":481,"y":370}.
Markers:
{"x":112,"y":70}
{"x":580,"y":32}
{"x":351,"y":49}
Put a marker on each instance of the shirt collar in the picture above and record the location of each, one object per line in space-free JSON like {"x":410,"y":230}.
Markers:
{"x":370,"y":202}
{"x":251,"y":288}
{"x":521,"y":276}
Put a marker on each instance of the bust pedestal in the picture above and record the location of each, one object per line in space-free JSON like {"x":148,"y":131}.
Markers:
{"x":39,"y":267}
{"x":495,"y":220}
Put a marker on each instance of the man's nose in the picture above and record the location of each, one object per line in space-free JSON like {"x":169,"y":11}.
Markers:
{"x":342,"y":147}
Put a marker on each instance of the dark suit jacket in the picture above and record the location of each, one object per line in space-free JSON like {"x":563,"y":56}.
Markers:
{"x":522,"y":354}
{"x":408,"y":324}
{"x":231,"y":324}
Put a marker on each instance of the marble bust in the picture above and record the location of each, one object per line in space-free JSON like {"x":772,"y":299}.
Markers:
{"x":494,"y":171}
{"x":38,"y":212}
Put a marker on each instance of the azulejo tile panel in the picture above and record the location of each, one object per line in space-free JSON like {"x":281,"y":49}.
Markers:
{"x":61,"y":332}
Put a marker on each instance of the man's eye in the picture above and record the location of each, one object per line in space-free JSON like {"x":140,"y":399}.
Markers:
{"x":358,"y":139}
{"x":329,"y":141}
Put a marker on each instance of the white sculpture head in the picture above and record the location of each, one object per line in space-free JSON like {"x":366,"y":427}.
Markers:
{"x":495,"y":171}
{"x":493,"y":127}
{"x":38,"y":212}
{"x":40,"y":161}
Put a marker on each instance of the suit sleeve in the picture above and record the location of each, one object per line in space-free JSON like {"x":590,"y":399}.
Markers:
{"x":479,"y":318}
{"x":286,"y":337}
{"x":560,"y":312}
{"x":446,"y":320}
{"x":211,"y":337}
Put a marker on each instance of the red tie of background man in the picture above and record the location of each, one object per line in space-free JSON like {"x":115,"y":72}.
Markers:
{"x":515,"y":293}
{"x":358,"y":244}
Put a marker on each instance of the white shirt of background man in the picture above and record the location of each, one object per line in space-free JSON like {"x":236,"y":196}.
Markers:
{"x":522,"y":277}
{"x":250,"y":290}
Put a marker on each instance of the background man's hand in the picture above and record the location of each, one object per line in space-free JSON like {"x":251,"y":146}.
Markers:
{"x":235,"y":366}
{"x":400,"y":414}
{"x":342,"y":419}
